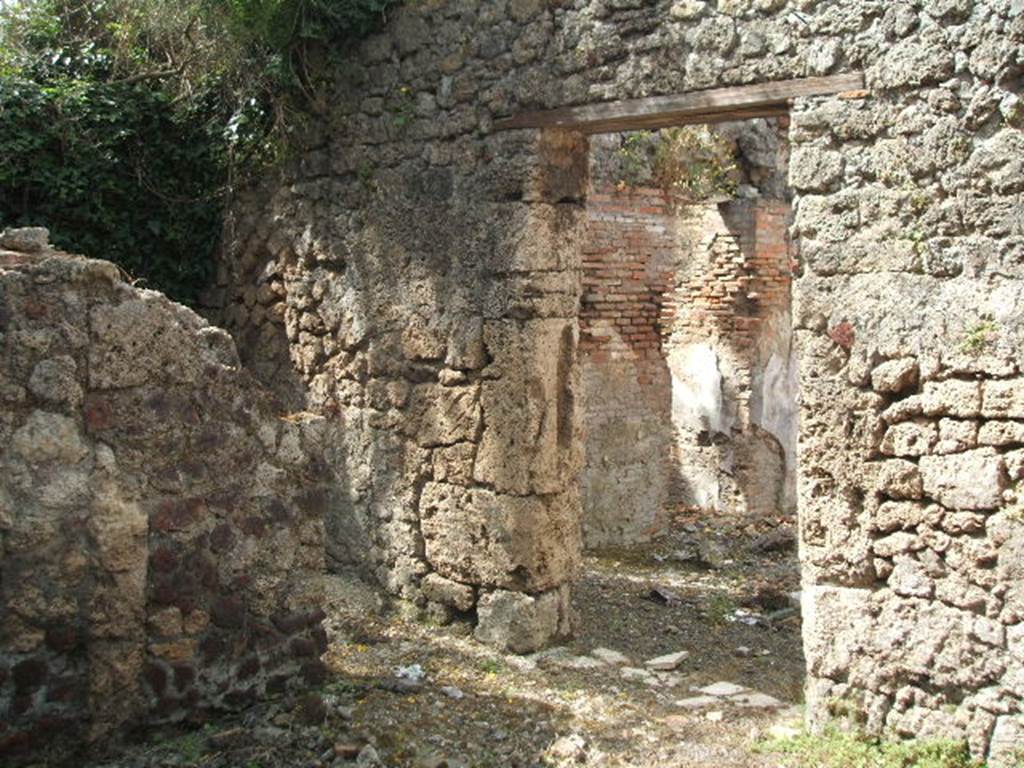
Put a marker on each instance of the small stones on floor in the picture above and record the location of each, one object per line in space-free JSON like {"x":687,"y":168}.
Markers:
{"x":635,"y":674}
{"x":547,"y":657}
{"x":413,"y":673}
{"x":712,"y":554}
{"x":781,"y":539}
{"x":571,"y":748}
{"x":525,"y":664}
{"x":311,"y":710}
{"x":581,"y":662}
{"x":437,"y":761}
{"x":783,"y":614}
{"x":452,"y":692}
{"x":368,"y":757}
{"x":400,"y":686}
{"x":663,"y":596}
{"x":715,"y":716}
{"x":226,"y":739}
{"x":610,"y":657}
{"x":345,"y":751}
{"x":743,"y":616}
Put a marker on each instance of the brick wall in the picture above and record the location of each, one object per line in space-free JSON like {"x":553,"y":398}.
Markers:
{"x":743,"y":280}
{"x":628,"y":264}
{"x":684,"y":341}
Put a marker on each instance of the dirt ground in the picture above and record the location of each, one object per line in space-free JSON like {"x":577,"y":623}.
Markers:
{"x":404,"y":693}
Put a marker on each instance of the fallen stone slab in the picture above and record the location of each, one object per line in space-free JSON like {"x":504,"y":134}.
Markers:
{"x":668,"y":662}
{"x":721,"y":689}
{"x":697,"y":702}
{"x":755,"y":700}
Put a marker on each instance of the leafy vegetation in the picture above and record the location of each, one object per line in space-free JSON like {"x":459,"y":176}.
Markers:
{"x":979,"y":337}
{"x":124,"y":124}
{"x":492,"y":666}
{"x":689,"y":163}
{"x":836,"y":749}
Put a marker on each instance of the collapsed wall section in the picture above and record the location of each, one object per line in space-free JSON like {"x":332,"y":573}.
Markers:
{"x":159,"y":524}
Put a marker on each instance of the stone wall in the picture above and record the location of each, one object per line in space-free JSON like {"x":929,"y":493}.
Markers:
{"x":158,"y":521}
{"x":421,"y":277}
{"x":446,"y":356}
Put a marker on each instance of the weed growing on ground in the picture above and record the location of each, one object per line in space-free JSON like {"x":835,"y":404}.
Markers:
{"x":188,"y":747}
{"x":836,"y":749}
{"x":720,"y":607}
{"x":492,"y":666}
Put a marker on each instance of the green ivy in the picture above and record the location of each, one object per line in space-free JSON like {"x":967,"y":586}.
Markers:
{"x":123,"y":123}
{"x":115,"y":172}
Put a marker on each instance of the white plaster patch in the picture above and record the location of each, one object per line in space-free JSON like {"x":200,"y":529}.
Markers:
{"x":697,"y":403}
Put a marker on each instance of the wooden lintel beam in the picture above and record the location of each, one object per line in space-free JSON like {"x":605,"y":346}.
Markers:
{"x":667,"y":121}
{"x":711,"y":106}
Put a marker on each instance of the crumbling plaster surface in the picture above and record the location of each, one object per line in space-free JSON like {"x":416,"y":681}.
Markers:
{"x":418,"y":273}
{"x":159,"y":524}
{"x":729,"y":347}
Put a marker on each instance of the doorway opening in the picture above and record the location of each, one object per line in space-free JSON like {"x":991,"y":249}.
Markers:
{"x":688,"y":408}
{"x":689,"y":375}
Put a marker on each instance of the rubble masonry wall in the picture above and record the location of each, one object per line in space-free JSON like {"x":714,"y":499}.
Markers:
{"x":159,"y":524}
{"x":415,"y":275}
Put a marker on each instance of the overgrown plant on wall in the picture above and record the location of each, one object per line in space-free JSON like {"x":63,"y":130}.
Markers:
{"x":124,"y":124}
{"x":689,"y":163}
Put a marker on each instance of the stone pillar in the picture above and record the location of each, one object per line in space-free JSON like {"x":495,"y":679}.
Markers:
{"x":430,"y":308}
{"x":518,"y":530}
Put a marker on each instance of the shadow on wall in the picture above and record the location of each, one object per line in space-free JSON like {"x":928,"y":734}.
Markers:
{"x":729,"y":349}
{"x":445,"y":361}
